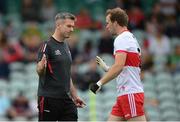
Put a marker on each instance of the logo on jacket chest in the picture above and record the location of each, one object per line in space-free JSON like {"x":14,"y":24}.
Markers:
{"x":57,"y":52}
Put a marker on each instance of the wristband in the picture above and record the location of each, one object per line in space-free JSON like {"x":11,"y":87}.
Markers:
{"x":99,"y":83}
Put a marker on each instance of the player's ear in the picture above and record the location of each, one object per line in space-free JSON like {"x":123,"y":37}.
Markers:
{"x":115,"y":23}
{"x":58,"y":24}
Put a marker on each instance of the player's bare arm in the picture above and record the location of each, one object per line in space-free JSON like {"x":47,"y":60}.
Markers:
{"x":114,"y":70}
{"x":73,"y":90}
{"x":79,"y":103}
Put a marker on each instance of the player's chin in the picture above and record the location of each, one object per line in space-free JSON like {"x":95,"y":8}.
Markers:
{"x":113,"y":33}
{"x":67,"y":35}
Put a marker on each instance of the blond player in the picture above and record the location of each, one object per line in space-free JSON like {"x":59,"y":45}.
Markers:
{"x":126,"y":69}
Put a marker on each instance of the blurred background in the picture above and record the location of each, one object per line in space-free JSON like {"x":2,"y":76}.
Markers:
{"x":25,"y":24}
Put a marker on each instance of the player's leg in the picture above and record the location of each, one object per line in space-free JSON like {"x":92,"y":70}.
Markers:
{"x":46,"y":110}
{"x":70,"y":111}
{"x":133,"y":107}
{"x":115,"y":118}
{"x":138,"y":118}
{"x":116,"y":113}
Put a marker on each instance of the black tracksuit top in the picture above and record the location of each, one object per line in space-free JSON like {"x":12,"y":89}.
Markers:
{"x":55,"y":82}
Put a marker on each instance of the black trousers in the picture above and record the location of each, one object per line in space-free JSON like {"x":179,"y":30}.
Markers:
{"x":56,"y":109}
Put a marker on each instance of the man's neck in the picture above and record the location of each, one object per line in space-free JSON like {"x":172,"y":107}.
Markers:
{"x":121,"y":30}
{"x":57,"y":37}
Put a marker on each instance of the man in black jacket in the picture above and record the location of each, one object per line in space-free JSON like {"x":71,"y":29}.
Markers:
{"x":57,"y":96}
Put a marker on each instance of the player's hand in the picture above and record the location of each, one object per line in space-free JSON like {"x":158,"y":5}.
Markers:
{"x":102,"y":64}
{"x":95,"y":87}
{"x":41,"y":66}
{"x":43,"y":62}
{"x":79,"y":103}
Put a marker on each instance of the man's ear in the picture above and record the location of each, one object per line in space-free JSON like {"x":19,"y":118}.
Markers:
{"x":58,"y":24}
{"x":115,"y":23}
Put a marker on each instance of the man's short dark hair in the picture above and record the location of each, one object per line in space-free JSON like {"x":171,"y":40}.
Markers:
{"x":118,"y":15}
{"x":64,"y":15}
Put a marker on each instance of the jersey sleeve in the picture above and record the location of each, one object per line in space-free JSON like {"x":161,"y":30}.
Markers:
{"x":120,"y":45}
{"x":42,"y":50}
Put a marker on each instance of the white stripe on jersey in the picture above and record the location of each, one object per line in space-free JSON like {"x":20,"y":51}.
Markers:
{"x":130,"y":101}
{"x":132,"y":105}
{"x":44,"y":48}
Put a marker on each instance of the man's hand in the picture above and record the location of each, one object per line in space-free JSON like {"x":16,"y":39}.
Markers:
{"x":95,"y":87}
{"x":79,"y":103}
{"x":41,"y":66}
{"x":102,"y":64}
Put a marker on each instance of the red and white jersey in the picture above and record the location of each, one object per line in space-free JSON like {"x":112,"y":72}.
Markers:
{"x":128,"y":81}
